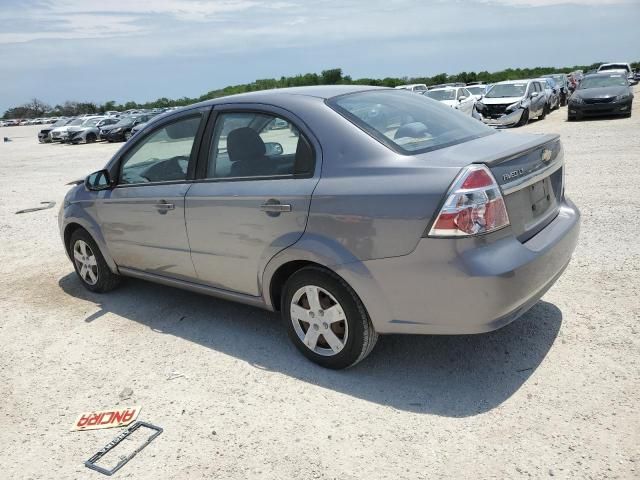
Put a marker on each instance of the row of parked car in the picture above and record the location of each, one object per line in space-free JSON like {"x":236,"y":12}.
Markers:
{"x":57,"y":120}
{"x":94,"y":128}
{"x":606,"y":91}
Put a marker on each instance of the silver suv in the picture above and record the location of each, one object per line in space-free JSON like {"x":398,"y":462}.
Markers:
{"x":353,"y":211}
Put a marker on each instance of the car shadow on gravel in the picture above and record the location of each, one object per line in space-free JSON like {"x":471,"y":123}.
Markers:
{"x":453,"y":376}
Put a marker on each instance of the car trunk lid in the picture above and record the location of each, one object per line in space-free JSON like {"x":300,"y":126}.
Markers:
{"x":532,"y":184}
{"x":528,"y":168}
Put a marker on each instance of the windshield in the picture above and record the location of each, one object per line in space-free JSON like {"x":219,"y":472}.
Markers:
{"x":93,"y":122}
{"x":407,"y":122}
{"x":77,"y":121}
{"x":60,"y":123}
{"x":603,"y":81}
{"x":442,"y":94}
{"x":505,"y":90}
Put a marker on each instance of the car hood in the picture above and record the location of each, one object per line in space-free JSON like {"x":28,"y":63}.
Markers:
{"x":601,"y":92}
{"x":501,"y":101}
{"x":450,"y":103}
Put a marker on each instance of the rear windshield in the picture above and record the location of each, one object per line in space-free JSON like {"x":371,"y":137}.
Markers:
{"x":442,"y":94}
{"x":476,"y":90}
{"x":406,"y":122}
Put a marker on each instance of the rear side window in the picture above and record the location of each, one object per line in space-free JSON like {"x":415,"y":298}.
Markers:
{"x":407,"y":123}
{"x":255,"y":144}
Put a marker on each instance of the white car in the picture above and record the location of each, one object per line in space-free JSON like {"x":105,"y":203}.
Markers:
{"x":513,"y":103}
{"x":456,"y":97}
{"x":60,"y":134}
{"x":618,"y":67}
{"x":478,"y":90}
{"x":89,"y":131}
{"x":415,"y":87}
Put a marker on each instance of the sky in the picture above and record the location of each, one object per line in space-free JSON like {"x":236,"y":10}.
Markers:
{"x":140,"y":50}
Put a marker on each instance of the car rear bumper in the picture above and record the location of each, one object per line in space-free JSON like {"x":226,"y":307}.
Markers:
{"x":473,"y":285}
{"x":597,"y":109}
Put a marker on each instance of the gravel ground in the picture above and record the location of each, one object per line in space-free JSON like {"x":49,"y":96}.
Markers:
{"x":553,"y":394}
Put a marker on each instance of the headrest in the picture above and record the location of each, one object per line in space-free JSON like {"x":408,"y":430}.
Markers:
{"x":244,"y":144}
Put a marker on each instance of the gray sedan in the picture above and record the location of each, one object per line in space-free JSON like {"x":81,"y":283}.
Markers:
{"x":375,"y":211}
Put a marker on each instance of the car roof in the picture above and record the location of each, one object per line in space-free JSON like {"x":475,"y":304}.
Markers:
{"x":319,"y":91}
{"x":506,"y":82}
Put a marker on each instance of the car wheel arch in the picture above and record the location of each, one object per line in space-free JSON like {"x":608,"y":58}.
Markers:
{"x":75,"y":224}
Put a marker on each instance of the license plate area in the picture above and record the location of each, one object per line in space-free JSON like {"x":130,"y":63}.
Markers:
{"x":540,"y":197}
{"x":534,"y":206}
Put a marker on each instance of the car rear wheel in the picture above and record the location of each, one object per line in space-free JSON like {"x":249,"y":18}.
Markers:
{"x":89,"y":263}
{"x":545,"y":109}
{"x":326,"y":320}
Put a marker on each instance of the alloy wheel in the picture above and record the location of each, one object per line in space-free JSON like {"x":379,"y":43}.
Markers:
{"x":86,"y":262}
{"x":319,"y":320}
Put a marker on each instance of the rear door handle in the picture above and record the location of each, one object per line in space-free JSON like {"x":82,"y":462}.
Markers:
{"x":274,"y":206}
{"x":266,"y":207}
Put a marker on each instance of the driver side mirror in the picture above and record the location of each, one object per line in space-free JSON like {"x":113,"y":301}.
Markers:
{"x":100,"y":180}
{"x":534,"y":94}
{"x":273,"y":149}
{"x":463,"y":97}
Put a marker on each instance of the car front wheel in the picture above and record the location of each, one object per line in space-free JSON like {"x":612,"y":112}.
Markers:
{"x":89,"y":263}
{"x":326,"y":320}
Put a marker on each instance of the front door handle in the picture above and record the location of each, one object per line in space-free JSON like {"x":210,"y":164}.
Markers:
{"x":273,"y":207}
{"x":163,"y":207}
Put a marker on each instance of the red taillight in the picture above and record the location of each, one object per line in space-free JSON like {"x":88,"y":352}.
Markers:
{"x":474,"y":206}
{"x":477,"y":179}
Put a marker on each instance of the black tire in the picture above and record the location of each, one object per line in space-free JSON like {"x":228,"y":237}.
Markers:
{"x":91,"y":138}
{"x":127,"y":135}
{"x":545,"y":109}
{"x":524,"y":119}
{"x":361,"y":337}
{"x":106,"y":279}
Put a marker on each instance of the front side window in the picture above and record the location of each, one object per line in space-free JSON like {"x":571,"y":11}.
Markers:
{"x":406,"y":122}
{"x":251,"y":144}
{"x":163,"y":156}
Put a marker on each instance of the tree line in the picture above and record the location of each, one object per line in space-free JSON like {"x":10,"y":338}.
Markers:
{"x":37,"y":108}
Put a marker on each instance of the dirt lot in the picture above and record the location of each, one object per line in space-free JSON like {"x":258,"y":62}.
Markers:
{"x":553,"y":394}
